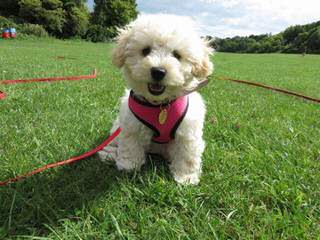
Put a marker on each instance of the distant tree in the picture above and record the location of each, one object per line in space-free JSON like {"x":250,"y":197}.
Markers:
{"x":259,"y":37}
{"x":53,"y":20}
{"x":314,"y":41}
{"x":276,"y":42}
{"x":77,"y":18}
{"x":77,"y":21}
{"x":6,"y":23}
{"x":51,"y":4}
{"x":265,"y":46}
{"x":110,"y":13}
{"x":291,"y":33}
{"x":30,"y":10}
{"x":9,"y":8}
{"x":74,"y":3}
{"x":254,"y":48}
{"x":98,"y":33}
{"x":61,"y":18}
{"x":49,"y":13}
{"x":250,"y":45}
{"x":300,"y":42}
{"x":294,"y":39}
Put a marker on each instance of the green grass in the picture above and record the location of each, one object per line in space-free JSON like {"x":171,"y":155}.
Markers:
{"x":260,"y":168}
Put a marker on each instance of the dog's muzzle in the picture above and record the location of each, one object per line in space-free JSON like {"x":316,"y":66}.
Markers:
{"x":158,"y":73}
{"x":156,"y":88}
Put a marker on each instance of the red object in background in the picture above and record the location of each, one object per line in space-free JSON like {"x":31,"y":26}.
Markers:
{"x":13,"y":32}
{"x":5,"y":33}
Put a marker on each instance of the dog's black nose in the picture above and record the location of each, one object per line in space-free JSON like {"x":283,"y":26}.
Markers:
{"x":158,"y":73}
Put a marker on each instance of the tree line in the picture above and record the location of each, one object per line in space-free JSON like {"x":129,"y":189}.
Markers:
{"x":294,"y":39}
{"x":68,"y":18}
{"x":72,"y":19}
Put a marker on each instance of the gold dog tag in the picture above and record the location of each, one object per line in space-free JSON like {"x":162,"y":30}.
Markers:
{"x":163,"y":116}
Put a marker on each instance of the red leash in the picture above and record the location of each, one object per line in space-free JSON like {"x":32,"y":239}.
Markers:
{"x":312,"y":99}
{"x":117,"y":132}
{"x":51,"y":79}
{"x":2,"y":95}
{"x":69,"y":161}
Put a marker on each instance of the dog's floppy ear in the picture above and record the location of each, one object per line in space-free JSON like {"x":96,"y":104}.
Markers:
{"x":203,"y":67}
{"x":119,"y":52}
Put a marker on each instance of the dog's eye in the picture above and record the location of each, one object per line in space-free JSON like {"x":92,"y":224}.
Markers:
{"x":176,"y":54}
{"x":146,"y":51}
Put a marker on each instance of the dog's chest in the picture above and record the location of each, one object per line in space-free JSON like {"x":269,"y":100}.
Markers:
{"x":163,"y":120}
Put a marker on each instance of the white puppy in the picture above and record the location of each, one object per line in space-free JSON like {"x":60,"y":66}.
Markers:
{"x":162,"y":58}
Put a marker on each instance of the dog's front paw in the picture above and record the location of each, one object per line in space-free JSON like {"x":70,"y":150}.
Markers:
{"x":109,"y":153}
{"x":187,"y":179}
{"x":126,"y":165}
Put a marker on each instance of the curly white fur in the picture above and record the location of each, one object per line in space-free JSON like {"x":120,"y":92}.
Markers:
{"x":164,"y":35}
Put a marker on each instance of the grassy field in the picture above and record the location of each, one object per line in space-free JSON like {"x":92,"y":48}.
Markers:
{"x":260,"y":169}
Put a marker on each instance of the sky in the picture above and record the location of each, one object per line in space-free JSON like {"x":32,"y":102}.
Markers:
{"x":228,"y":18}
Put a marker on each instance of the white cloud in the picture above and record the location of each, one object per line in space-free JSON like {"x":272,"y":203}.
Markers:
{"x":226,"y":3}
{"x":204,"y":14}
{"x":192,"y":21}
{"x":238,"y":17}
{"x":291,"y":11}
{"x":208,"y":1}
{"x":230,"y":4}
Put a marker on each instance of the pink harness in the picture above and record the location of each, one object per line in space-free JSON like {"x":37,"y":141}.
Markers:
{"x":165,"y":126}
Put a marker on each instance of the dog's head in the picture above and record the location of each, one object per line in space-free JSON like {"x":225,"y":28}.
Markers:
{"x":161,"y":56}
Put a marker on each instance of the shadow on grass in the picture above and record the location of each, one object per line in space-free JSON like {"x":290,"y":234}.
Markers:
{"x":27,"y":207}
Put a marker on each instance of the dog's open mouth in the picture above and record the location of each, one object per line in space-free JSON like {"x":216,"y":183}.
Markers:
{"x":156,"y":88}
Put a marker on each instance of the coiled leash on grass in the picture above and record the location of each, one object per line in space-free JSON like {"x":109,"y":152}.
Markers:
{"x":117,"y":132}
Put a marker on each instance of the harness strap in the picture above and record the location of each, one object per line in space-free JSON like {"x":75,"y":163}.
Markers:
{"x":163,"y":119}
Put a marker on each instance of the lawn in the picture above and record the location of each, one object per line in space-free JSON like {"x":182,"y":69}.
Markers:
{"x":260,"y":168}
